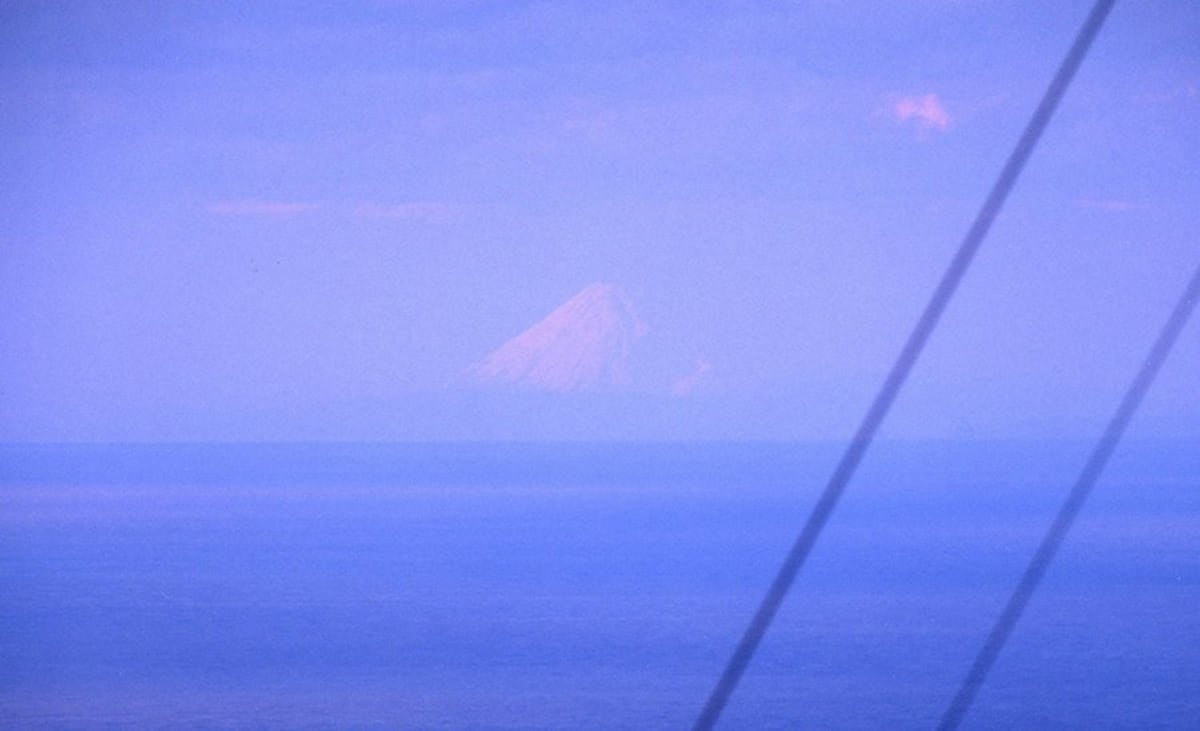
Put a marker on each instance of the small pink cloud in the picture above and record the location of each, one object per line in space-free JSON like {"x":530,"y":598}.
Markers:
{"x":926,"y":112}
{"x":428,"y":212}
{"x":273,"y":209}
{"x":591,"y":127}
{"x":700,"y":375}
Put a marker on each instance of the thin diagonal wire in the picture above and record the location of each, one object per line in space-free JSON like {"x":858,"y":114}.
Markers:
{"x":1070,"y":508}
{"x":896,"y":377}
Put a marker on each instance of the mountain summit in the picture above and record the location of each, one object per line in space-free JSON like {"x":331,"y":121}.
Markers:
{"x":582,"y":345}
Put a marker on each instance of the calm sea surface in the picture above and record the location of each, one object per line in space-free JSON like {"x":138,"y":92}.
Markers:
{"x":585,"y":586}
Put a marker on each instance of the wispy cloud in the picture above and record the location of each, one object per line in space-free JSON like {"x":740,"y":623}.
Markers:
{"x":423,"y":211}
{"x":426,"y":211}
{"x":590,"y":126}
{"x":271,"y":209}
{"x":927,"y":112}
{"x":1186,"y":91}
{"x":1112,"y":205}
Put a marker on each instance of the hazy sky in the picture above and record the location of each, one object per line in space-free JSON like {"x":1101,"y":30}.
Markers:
{"x":301,"y":220}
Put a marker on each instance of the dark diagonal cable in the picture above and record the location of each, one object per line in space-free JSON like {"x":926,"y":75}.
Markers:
{"x":899,"y":371}
{"x":1070,"y":508}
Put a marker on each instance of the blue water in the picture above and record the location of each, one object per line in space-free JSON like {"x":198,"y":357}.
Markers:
{"x":584,"y":586}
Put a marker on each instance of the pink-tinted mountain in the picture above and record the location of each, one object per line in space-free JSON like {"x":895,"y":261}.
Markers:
{"x":583,"y":345}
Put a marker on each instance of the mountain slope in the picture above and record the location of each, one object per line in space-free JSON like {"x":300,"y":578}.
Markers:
{"x":584,"y":344}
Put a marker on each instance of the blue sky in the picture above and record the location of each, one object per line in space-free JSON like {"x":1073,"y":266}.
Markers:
{"x":299,"y":221}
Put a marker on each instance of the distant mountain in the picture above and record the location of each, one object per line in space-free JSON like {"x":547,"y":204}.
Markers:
{"x":583,"y":345}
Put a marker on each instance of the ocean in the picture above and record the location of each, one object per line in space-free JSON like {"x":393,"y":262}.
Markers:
{"x":585,"y":586}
